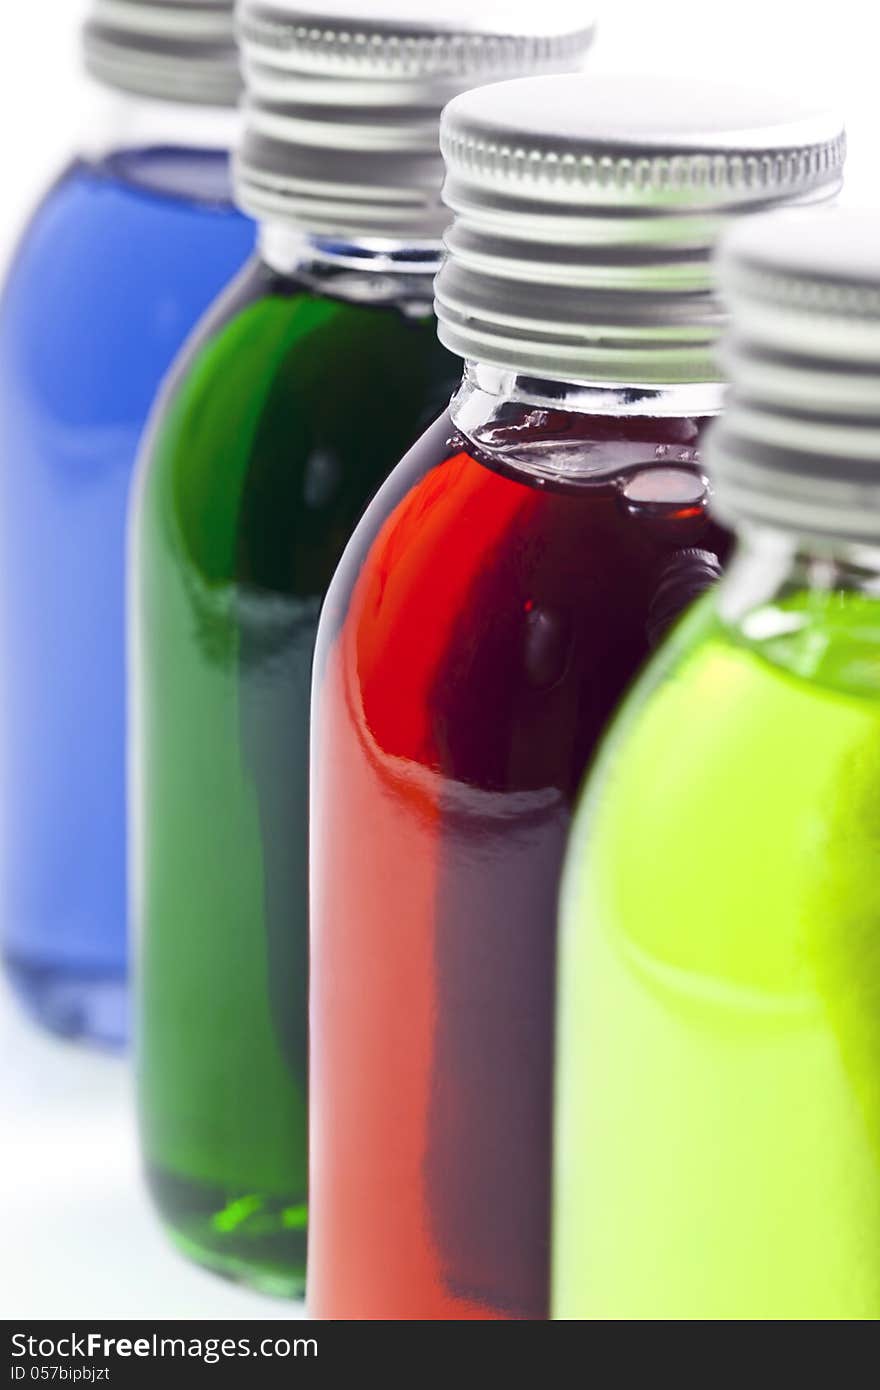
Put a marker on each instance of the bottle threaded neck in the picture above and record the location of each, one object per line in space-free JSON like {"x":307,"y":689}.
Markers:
{"x":799,"y":448}
{"x":583,"y":234}
{"x":169,"y":50}
{"x":343,"y":102}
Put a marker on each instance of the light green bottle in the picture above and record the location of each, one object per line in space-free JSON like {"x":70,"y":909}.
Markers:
{"x":718,"y":1100}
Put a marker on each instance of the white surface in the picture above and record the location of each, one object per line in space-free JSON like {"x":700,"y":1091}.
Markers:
{"x":80,"y":1240}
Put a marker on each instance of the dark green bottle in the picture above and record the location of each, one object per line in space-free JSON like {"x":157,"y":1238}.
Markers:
{"x":310,"y":379}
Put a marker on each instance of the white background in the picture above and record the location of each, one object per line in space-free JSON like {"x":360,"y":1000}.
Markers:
{"x":80,"y":1240}
{"x":831,"y":49}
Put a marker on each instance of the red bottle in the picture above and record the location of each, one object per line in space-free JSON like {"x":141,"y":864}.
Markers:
{"x":491,"y":610}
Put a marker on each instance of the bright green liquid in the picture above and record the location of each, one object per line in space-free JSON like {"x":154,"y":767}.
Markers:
{"x":285,"y":416}
{"x":718,"y":1133}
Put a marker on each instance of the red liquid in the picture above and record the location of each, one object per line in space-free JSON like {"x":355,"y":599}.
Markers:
{"x":476,"y":640}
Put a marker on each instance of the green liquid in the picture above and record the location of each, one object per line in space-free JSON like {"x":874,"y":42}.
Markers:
{"x":287,"y":413}
{"x":718,"y":1105}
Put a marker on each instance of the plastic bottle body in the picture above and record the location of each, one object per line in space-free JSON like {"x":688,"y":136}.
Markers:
{"x":279,"y":426}
{"x":120,"y":260}
{"x":716,"y":1144}
{"x":492,"y":607}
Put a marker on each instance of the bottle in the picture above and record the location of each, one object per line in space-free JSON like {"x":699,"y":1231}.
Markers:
{"x":718,"y":1121}
{"x":304,"y":386}
{"x":494,"y":603}
{"x":126,"y":251}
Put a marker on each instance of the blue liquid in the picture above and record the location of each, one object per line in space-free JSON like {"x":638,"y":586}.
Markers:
{"x":119,"y":263}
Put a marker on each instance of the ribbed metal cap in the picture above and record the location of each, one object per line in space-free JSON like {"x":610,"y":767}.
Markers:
{"x":586,"y":211}
{"x":799,"y":445}
{"x":344,"y":101}
{"x":174,"y":50}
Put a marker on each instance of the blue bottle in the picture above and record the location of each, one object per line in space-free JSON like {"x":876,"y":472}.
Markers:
{"x":127,"y":250}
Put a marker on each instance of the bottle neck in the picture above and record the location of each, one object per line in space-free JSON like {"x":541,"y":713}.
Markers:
{"x":486,"y":387}
{"x":770,"y":565}
{"x":118,"y":121}
{"x":563,"y":431}
{"x":375,"y":271}
{"x":811,"y":606}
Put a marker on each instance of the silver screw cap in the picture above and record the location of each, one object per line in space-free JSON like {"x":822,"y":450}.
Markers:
{"x":586,"y":211}
{"x":344,"y":100}
{"x":173,"y":50}
{"x":799,"y":445}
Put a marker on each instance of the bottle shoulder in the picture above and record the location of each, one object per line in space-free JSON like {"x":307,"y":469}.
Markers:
{"x":195,"y":176}
{"x":100,"y":295}
{"x":727,"y":706}
{"x":647,"y":464}
{"x":273,"y":365}
{"x":162,"y":181}
{"x":642,"y":484}
{"x":615,"y":553}
{"x":266,"y":325}
{"x":286,"y":412}
{"x":822,"y":640}
{"x":733,"y":799}
{"x":799,"y":650}
{"x":94,"y":241}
